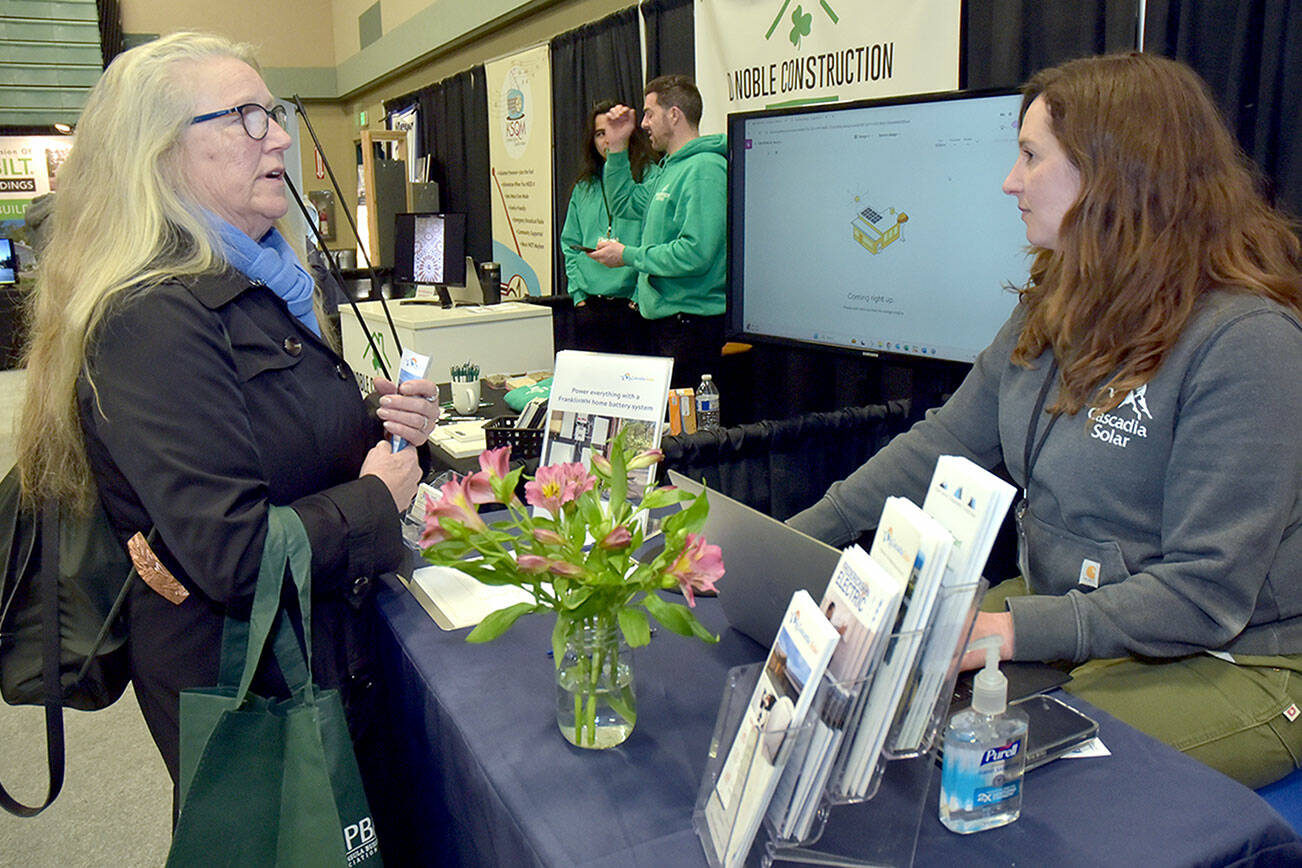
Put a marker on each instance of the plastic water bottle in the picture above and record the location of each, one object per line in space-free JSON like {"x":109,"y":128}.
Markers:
{"x":707,"y":404}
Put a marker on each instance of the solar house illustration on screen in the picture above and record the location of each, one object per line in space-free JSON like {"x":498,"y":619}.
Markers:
{"x":868,"y":229}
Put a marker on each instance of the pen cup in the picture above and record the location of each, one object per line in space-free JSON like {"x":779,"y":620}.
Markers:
{"x":465,"y":397}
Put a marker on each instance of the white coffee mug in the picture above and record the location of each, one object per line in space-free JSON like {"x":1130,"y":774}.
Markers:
{"x":465,"y":397}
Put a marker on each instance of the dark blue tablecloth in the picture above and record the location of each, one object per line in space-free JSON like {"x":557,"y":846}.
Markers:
{"x":482,"y":776}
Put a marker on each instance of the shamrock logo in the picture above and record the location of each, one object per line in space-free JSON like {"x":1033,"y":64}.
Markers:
{"x":802,"y":22}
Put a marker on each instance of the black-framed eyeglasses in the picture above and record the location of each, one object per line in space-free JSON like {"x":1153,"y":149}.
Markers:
{"x":253,"y":115}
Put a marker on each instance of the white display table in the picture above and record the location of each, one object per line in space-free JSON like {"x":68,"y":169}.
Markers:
{"x":512,"y":337}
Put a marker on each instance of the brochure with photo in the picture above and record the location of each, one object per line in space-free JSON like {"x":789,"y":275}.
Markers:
{"x":772,"y":721}
{"x":861,"y":602}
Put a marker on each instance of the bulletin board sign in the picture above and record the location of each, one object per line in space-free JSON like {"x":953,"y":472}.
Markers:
{"x":758,"y":54}
{"x":520,"y":157}
{"x":29,"y":167}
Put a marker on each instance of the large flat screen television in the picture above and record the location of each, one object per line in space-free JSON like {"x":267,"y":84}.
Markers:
{"x":876,"y":227}
{"x":430,"y":248}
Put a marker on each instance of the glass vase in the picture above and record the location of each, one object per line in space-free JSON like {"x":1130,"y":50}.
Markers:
{"x":595,"y":703}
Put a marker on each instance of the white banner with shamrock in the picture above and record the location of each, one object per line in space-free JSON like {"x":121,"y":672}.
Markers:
{"x":760,"y":54}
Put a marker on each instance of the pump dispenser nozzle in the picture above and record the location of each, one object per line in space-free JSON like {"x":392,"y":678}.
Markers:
{"x":989,"y":686}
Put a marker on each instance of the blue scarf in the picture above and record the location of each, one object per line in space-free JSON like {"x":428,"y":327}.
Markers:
{"x":273,"y":263}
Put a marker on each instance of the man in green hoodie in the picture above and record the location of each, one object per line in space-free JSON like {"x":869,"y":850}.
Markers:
{"x":682,"y":259}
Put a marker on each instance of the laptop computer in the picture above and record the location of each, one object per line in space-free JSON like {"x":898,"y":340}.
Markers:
{"x":765,"y":562}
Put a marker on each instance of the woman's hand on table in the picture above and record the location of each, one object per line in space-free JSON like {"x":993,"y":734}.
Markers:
{"x":410,"y":410}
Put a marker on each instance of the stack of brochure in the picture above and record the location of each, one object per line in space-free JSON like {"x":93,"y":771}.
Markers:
{"x":862,"y":601}
{"x":971,"y":503}
{"x":913,"y":547}
{"x":771,"y":724}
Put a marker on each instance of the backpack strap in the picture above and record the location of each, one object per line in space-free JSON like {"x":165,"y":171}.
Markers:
{"x":54,"y":743}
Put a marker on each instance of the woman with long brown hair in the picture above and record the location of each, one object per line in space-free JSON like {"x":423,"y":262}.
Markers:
{"x":1146,"y":397}
{"x":605,"y":319}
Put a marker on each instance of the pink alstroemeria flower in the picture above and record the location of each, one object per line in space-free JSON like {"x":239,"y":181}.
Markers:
{"x":549,"y":490}
{"x":532,"y":563}
{"x":618,"y":538}
{"x":455,"y":504}
{"x":646,"y":458}
{"x":478,"y":488}
{"x":496,"y":462}
{"x":579,"y":475}
{"x":556,"y":485}
{"x":548,"y":537}
{"x":698,"y":566}
{"x":565,"y":568}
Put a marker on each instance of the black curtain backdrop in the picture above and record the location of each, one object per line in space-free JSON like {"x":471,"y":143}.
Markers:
{"x":1250,"y":53}
{"x":601,"y":60}
{"x":453,"y":129}
{"x":670,"y":38}
{"x":1003,"y":42}
{"x":109,"y":13}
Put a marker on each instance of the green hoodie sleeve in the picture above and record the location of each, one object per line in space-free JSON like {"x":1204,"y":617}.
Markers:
{"x":627,"y":197}
{"x":572,"y":233}
{"x":702,"y":227}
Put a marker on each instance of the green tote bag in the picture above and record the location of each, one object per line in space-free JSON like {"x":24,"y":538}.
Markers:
{"x":271,"y":782}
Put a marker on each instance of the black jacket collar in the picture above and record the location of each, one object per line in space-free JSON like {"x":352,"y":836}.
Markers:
{"x":217,"y":289}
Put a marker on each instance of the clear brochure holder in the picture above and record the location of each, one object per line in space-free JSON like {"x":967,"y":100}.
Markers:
{"x":839,"y":791}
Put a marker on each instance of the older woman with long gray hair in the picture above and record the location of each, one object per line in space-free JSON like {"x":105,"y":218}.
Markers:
{"x":178,"y":371}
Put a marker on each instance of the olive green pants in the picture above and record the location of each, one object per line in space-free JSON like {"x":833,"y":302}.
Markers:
{"x":1231,"y":716}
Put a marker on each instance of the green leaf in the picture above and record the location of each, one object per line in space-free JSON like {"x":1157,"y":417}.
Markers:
{"x":635,"y":627}
{"x":591,"y":513}
{"x":625,"y":703}
{"x":677,"y":618}
{"x":559,"y":631}
{"x":498,"y":622}
{"x":661,"y":497}
{"x":691,"y":519}
{"x":576,"y":598}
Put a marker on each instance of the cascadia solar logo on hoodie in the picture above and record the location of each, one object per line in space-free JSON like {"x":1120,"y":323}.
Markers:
{"x":1120,"y":426}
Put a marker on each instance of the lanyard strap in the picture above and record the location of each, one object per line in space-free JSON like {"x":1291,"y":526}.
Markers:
{"x":610,"y":218}
{"x":1031,"y":454}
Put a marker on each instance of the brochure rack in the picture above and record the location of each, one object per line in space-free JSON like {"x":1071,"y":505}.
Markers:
{"x":895,"y":798}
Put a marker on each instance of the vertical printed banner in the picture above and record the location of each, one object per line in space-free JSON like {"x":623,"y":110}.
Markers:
{"x":520,"y":157}
{"x":29,"y":166}
{"x":760,"y":54}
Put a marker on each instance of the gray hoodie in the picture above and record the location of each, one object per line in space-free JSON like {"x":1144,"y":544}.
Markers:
{"x":1167,"y":526}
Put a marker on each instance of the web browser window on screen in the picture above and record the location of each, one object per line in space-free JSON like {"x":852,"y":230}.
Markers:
{"x":882,"y":227}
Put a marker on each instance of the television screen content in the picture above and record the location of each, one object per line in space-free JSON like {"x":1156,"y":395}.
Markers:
{"x":876,"y":227}
{"x":430,"y":248}
{"x":8,"y":263}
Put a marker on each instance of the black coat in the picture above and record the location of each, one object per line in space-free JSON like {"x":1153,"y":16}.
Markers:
{"x":209,"y":402}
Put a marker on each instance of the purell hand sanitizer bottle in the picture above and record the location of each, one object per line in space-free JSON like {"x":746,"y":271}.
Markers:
{"x":985,"y":753}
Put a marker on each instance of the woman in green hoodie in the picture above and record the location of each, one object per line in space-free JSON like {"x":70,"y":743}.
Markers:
{"x":604,"y":316}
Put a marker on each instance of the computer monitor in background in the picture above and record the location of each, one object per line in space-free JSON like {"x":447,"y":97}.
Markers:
{"x":430,"y":249}
{"x":8,"y":263}
{"x":875,"y":227}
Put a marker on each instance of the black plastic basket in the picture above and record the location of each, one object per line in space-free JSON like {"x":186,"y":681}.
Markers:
{"x":524,"y":442}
